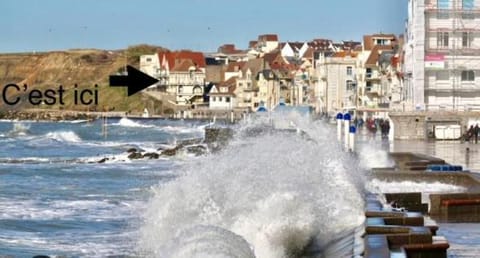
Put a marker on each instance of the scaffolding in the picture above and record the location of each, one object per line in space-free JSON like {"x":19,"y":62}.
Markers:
{"x":453,"y":32}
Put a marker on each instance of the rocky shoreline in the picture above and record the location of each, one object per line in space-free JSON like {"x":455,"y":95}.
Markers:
{"x":47,"y":115}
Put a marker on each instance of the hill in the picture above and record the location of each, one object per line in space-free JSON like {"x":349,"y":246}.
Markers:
{"x":83,"y":67}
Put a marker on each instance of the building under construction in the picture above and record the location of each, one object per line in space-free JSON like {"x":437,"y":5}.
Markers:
{"x":442,"y":54}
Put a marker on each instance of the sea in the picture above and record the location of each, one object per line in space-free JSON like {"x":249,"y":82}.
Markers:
{"x":267,"y":193}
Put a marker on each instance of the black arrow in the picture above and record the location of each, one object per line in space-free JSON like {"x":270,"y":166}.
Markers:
{"x":135,"y":80}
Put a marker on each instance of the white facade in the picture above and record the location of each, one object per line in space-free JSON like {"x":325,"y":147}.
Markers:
{"x":288,"y":51}
{"x":441,"y":54}
{"x":150,"y":64}
{"x":220,"y":98}
{"x":337,"y":84}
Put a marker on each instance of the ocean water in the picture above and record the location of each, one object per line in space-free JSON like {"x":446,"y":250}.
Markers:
{"x":267,"y":194}
{"x":55,"y":200}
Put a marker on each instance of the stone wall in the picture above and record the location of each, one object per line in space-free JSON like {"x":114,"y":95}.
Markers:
{"x":419,"y":125}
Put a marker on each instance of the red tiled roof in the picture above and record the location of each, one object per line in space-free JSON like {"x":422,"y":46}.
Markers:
{"x":343,"y":54}
{"x":375,"y":54}
{"x":252,"y":44}
{"x":176,"y":58}
{"x":308,"y":53}
{"x":228,"y":49}
{"x":368,"y":40}
{"x":235,"y":66}
{"x":268,"y":37}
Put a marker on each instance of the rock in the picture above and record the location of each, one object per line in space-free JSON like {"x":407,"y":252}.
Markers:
{"x":187,"y":142}
{"x":135,"y":155}
{"x":132,"y":150}
{"x":151,"y":155}
{"x":170,"y":152}
{"x":103,"y":160}
{"x":197,"y":150}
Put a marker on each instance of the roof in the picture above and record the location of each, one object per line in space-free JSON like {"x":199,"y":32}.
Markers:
{"x":308,"y":53}
{"x":176,"y":60}
{"x":252,"y":43}
{"x":368,"y":42}
{"x":230,"y":84}
{"x":228,"y":49}
{"x":235,"y":66}
{"x":273,"y":57}
{"x":375,"y":54}
{"x":320,"y":44}
{"x":343,"y":54}
{"x":268,"y":37}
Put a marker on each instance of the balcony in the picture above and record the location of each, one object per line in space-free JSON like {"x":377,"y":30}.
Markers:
{"x":373,"y":89}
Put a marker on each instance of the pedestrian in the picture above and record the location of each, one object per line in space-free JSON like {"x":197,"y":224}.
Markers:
{"x":476,"y":130}
{"x":470,"y":133}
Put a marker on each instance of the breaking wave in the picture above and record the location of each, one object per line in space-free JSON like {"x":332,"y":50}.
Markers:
{"x":276,"y":190}
{"x":64,"y":136}
{"x":125,"y":122}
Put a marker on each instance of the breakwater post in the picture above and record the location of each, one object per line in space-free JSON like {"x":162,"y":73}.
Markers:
{"x":352,"y":138}
{"x":339,"y":126}
{"x":346,"y":118}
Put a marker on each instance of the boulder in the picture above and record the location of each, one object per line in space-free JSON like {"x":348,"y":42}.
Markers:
{"x":135,"y":155}
{"x":103,"y":160}
{"x":132,"y":150}
{"x":151,"y":155}
{"x":197,"y":150}
{"x":170,"y":152}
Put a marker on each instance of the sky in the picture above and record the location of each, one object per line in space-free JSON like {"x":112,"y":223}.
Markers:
{"x":204,"y":25}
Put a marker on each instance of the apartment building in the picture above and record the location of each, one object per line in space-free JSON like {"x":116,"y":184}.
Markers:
{"x":442,"y":61}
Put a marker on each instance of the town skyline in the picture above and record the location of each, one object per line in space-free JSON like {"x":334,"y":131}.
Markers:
{"x":56,"y":25}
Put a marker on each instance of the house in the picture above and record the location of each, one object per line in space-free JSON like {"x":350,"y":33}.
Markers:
{"x":293,"y":49}
{"x":181,"y":75}
{"x":337,"y":87}
{"x":374,"y":90}
{"x":222,"y":95}
{"x":265,"y":43}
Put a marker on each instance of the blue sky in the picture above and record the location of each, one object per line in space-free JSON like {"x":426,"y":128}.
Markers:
{"x":38,"y":25}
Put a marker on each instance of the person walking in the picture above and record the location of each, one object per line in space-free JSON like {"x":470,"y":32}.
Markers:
{"x":476,"y":130}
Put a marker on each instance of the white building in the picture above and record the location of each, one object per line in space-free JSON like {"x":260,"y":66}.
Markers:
{"x":337,"y":86}
{"x":222,"y":96}
{"x":441,"y":54}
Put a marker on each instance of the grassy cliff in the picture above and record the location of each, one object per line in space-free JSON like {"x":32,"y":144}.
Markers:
{"x":49,"y":70}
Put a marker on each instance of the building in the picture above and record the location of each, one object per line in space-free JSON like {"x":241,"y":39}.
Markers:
{"x":441,"y":54}
{"x":181,"y":75}
{"x":337,"y":88}
{"x":374,"y":61}
{"x":222,"y":96}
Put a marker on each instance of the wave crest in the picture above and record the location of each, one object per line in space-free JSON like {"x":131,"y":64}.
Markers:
{"x":277,"y":190}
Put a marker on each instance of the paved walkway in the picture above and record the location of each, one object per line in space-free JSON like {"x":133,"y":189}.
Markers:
{"x":453,"y":152}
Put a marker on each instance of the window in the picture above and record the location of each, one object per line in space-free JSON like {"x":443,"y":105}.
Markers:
{"x":442,"y":76}
{"x":468,"y":75}
{"x":381,"y":42}
{"x":467,"y":38}
{"x":349,"y":70}
{"x":220,"y":99}
{"x":149,"y":59}
{"x":467,"y":6}
{"x":350,"y":85}
{"x":214,"y":99}
{"x":180,"y":89}
{"x":442,"y":39}
{"x":368,"y":86}
{"x":227,"y":99}
{"x":443,"y":6}
{"x":368,"y":73}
